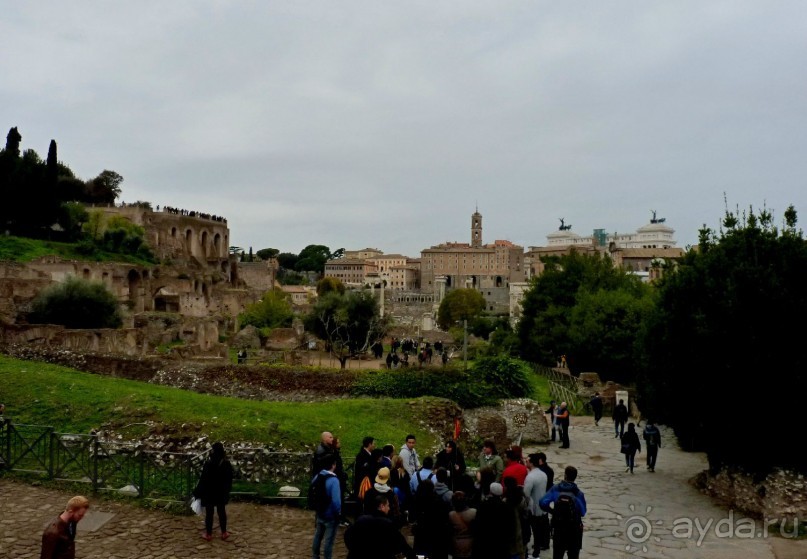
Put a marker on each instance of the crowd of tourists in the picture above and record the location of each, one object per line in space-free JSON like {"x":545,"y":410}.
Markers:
{"x":501,"y":510}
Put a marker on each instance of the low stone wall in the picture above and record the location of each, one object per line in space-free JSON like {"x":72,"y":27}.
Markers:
{"x":505,"y":423}
{"x":780,"y":496}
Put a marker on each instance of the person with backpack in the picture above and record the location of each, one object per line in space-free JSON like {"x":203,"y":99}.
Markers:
{"x":652,"y":437}
{"x":325,"y":498}
{"x":423,"y":473}
{"x":566,"y":504}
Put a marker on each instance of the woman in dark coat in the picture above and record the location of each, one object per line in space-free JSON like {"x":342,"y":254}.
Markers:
{"x":630,"y":445}
{"x":452,"y":460}
{"x":214,"y":488}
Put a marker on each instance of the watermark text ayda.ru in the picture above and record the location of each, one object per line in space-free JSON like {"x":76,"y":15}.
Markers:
{"x":639,"y":529}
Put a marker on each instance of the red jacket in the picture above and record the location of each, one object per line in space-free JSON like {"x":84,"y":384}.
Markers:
{"x":515,"y":470}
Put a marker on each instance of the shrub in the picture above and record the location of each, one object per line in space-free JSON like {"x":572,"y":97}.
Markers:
{"x":77,"y":303}
{"x":452,"y":384}
{"x":504,"y":377}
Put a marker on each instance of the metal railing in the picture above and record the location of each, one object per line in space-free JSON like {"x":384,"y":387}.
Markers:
{"x":132,"y":469}
{"x":562,"y":386}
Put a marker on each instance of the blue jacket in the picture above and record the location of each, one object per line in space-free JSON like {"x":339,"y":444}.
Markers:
{"x":564,"y":486}
{"x":334,"y":495}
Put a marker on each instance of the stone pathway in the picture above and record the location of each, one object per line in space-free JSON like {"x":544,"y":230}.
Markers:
{"x":656,"y":514}
{"x":640,"y":515}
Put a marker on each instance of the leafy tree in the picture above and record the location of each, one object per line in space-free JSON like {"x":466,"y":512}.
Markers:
{"x":459,"y":304}
{"x":724,"y":322}
{"x":13,"y":139}
{"x":105,"y":188}
{"x":71,"y":219}
{"x":349,"y":323}
{"x":330,"y":285}
{"x":287,"y":260}
{"x":95,"y":225}
{"x":313,"y":258}
{"x":287,"y":277}
{"x":602,"y":329}
{"x":267,"y":253}
{"x":544,"y":328}
{"x":77,"y":303}
{"x":272,"y":311}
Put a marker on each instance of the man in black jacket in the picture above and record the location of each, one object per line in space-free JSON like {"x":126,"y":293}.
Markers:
{"x":374,"y":536}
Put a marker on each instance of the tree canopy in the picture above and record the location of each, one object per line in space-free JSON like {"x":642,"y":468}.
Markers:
{"x":34,"y":191}
{"x":272,"y":311}
{"x":350,"y":323}
{"x":584,"y":307}
{"x":723,"y":333}
{"x":313,"y":258}
{"x":459,"y":304}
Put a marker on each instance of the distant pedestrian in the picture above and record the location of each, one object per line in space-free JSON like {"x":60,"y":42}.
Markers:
{"x":551,"y":411}
{"x":563,"y":417}
{"x":596,"y":407}
{"x":630,"y":446}
{"x":620,"y":416}
{"x":652,"y":437}
{"x":213,"y":490}
{"x":58,"y":539}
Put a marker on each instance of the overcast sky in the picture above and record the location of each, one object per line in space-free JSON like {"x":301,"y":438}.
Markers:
{"x":385,"y":124}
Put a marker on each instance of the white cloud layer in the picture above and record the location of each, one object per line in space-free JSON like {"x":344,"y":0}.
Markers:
{"x":355,"y":124}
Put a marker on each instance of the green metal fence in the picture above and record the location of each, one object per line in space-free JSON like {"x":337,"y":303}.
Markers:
{"x":563,"y":387}
{"x":131,"y":469}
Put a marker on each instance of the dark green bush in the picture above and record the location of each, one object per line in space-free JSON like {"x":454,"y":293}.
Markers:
{"x":77,"y":303}
{"x":504,"y":377}
{"x":465,"y":389}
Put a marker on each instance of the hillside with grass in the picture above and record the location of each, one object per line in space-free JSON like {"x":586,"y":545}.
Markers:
{"x":77,"y":402}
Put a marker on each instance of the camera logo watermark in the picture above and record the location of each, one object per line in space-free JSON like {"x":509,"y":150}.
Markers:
{"x":642,"y":531}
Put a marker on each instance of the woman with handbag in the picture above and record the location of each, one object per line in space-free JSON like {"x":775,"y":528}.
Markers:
{"x":630,"y":446}
{"x":213,"y":490}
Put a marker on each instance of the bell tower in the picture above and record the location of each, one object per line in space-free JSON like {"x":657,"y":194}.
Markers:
{"x":476,"y":229}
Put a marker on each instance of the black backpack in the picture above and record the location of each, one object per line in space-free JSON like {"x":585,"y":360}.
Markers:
{"x":318,"y":499}
{"x":566,"y":519}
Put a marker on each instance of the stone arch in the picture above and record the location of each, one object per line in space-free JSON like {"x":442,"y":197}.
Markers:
{"x":217,"y":245}
{"x":86,"y":274}
{"x":203,"y":244}
{"x":174,"y":232}
{"x":189,"y":246}
{"x":498,"y":281}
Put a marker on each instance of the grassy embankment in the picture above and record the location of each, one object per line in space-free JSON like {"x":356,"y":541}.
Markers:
{"x":74,"y":401}
{"x":19,"y":249}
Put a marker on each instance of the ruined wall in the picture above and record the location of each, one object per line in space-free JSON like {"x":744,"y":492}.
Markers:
{"x":781,"y":495}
